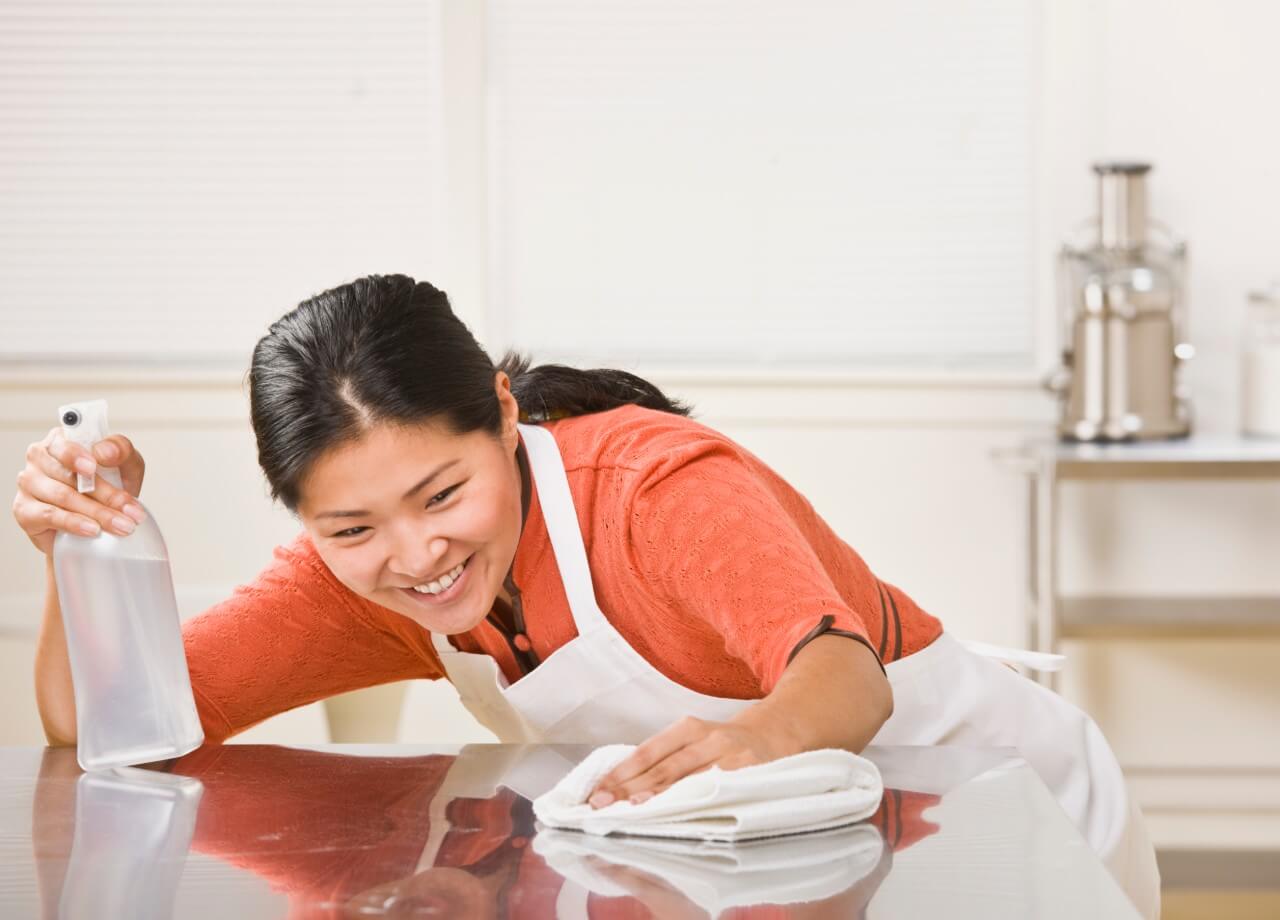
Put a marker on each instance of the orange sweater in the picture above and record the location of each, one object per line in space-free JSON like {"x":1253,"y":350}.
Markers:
{"x":706,"y":561}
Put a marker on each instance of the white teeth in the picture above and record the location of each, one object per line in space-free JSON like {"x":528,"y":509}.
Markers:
{"x":443,"y":583}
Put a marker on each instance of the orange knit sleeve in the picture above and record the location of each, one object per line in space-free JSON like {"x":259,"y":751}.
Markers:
{"x":710,"y":536}
{"x":292,"y":636}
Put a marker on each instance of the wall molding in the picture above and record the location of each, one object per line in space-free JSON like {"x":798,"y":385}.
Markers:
{"x":214,"y":394}
{"x":1209,"y":808}
{"x":1182,"y":790}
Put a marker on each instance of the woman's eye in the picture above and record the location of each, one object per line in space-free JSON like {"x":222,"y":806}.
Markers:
{"x":356,"y":531}
{"x":443,"y":495}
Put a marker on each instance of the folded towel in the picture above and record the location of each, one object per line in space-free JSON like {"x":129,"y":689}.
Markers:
{"x":715,"y":877}
{"x":811,"y":791}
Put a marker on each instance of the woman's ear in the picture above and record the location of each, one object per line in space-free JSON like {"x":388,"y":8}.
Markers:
{"x":510,"y":410}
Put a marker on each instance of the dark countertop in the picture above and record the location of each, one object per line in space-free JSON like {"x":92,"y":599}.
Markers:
{"x":258,"y":831}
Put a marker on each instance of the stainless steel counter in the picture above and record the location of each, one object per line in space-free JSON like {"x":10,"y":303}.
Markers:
{"x":250,"y":831}
{"x":1053,"y":617}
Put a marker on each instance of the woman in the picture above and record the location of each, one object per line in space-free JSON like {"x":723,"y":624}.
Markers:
{"x":607,"y":571}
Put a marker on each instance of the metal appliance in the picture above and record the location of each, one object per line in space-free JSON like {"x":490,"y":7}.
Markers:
{"x":1121,"y":300}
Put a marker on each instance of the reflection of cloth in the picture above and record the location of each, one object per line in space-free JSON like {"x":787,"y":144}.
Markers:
{"x":811,"y":791}
{"x":715,"y":877}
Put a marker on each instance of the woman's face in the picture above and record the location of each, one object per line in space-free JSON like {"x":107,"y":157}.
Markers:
{"x":406,"y":508}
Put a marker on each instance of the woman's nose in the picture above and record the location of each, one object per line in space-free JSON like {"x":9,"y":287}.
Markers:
{"x":417,"y":555}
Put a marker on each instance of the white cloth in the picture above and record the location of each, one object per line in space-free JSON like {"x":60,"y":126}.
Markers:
{"x":812,"y":791}
{"x":717,"y":878}
{"x":596,"y":689}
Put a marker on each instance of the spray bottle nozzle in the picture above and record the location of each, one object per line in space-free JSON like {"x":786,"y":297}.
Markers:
{"x":85,"y":423}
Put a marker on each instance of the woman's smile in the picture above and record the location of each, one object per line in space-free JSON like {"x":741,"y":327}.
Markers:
{"x":451,"y":586}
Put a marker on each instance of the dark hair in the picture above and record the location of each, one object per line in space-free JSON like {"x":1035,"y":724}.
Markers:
{"x":388,"y":350}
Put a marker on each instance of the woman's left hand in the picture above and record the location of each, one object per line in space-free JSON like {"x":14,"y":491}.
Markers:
{"x":834,"y":694}
{"x":691,"y":746}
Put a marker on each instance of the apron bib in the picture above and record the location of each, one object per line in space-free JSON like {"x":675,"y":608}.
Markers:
{"x":598,"y":690}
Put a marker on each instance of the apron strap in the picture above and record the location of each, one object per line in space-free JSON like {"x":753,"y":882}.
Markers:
{"x":562,"y":526}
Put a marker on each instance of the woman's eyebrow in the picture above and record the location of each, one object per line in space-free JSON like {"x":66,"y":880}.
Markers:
{"x":422,"y":484}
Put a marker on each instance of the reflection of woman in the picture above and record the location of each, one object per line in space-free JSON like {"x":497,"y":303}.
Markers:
{"x":326,"y":829}
{"x":329,"y":829}
{"x":339,"y":835}
{"x":693,"y":599}
{"x":360,"y":831}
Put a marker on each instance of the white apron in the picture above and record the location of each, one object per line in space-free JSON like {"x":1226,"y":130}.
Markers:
{"x":598,"y":690}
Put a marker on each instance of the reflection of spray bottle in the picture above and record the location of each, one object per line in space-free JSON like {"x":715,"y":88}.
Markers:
{"x":133,"y":693}
{"x":133,"y":830}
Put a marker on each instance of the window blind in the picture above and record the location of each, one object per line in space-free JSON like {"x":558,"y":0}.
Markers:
{"x":174,"y":174}
{"x":738,"y":181}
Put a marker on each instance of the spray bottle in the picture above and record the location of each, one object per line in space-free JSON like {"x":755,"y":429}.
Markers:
{"x":132,"y":689}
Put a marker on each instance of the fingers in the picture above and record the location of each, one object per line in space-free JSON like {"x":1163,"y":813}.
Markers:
{"x":71,"y":455}
{"x":54,"y":504}
{"x":47,"y":497}
{"x":38,"y":518}
{"x":687,"y":747}
{"x":63,"y":456}
{"x":118,"y":451}
{"x":684,"y":762}
{"x":643,"y":758}
{"x":669,"y":755}
{"x":661,"y":745}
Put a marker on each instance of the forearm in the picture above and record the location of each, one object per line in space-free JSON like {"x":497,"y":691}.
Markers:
{"x":55,"y":694}
{"x":833,"y":694}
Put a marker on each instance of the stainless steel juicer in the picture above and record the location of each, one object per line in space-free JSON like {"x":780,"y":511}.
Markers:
{"x":1121,"y":302}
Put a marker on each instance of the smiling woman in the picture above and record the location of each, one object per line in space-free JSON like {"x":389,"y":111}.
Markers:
{"x":582,"y":561}
{"x":437,"y":552}
{"x":384,"y":426}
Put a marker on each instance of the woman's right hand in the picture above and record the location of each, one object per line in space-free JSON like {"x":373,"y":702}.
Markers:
{"x":47,"y":500}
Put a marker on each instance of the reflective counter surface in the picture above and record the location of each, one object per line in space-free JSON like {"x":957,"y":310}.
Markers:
{"x":250,"y":831}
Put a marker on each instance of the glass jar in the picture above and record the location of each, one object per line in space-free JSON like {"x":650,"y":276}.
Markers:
{"x":1260,"y":365}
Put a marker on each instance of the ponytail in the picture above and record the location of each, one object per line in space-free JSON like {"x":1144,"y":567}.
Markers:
{"x":551,"y":391}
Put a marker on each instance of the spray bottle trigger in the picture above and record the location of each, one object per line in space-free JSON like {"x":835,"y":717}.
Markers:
{"x":85,"y":423}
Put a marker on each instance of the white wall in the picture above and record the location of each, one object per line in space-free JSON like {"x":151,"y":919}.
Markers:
{"x":1195,"y":720}
{"x":1191,"y":86}
{"x":901,"y":465}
